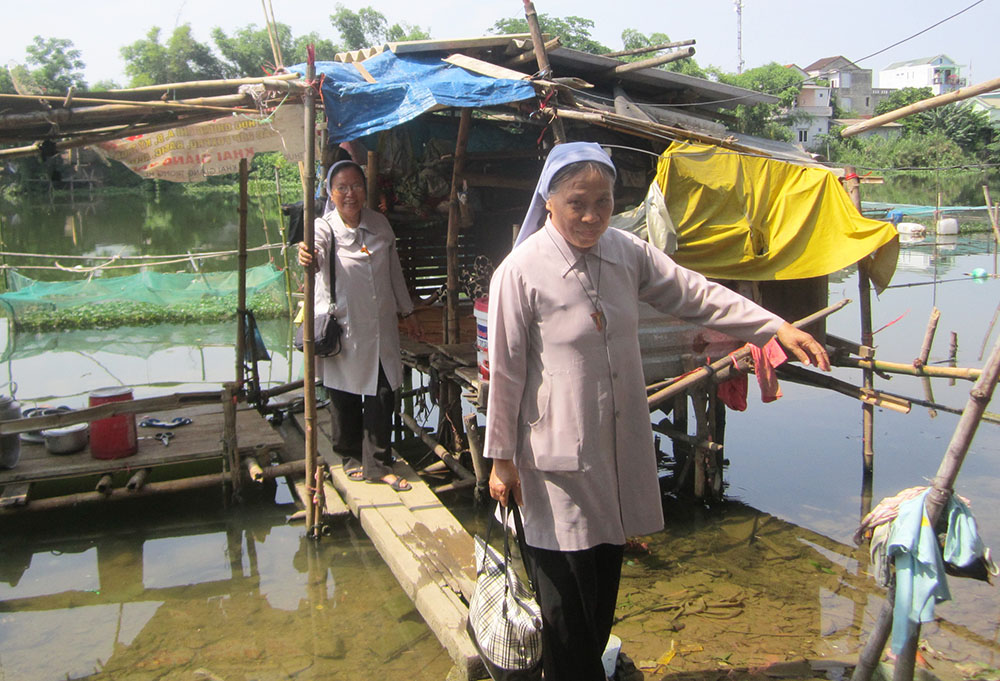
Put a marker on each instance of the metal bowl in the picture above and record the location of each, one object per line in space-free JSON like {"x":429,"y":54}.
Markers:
{"x":33,"y":412}
{"x":66,"y":440}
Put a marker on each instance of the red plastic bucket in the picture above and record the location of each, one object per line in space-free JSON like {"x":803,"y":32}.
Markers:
{"x":113,"y":437}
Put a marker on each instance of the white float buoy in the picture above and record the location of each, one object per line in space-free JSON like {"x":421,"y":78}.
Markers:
{"x":947,"y":226}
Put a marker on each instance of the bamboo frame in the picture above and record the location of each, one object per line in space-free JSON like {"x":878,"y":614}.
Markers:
{"x":308,"y":341}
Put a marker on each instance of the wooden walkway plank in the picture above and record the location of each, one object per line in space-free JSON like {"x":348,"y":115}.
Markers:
{"x":427,"y":549}
{"x":15,"y":494}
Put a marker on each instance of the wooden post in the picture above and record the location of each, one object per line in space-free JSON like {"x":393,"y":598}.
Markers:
{"x":991,"y":214}
{"x":308,"y":340}
{"x":230,"y":444}
{"x":852,"y":185}
{"x":371,"y":172}
{"x":241,"y":300}
{"x":454,"y":225}
{"x":544,"y":67}
{"x":480,"y":465}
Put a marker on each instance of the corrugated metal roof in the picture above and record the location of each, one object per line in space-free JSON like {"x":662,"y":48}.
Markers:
{"x":598,"y":69}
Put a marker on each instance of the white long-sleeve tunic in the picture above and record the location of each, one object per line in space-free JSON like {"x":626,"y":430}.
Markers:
{"x":567,"y":395}
{"x":371,"y":292}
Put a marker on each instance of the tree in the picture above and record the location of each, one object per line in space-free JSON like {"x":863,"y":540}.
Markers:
{"x":959,"y":122}
{"x":325,"y":49}
{"x":368,"y":27}
{"x":248,"y":51}
{"x":573,"y":32}
{"x":149,"y":62}
{"x":773,"y":79}
{"x":634,"y":40}
{"x":901,"y":98}
{"x":6,"y":84}
{"x":58,"y":66}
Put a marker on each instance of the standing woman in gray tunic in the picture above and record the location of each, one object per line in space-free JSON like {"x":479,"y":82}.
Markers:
{"x":567,"y":425}
{"x":370,"y":297}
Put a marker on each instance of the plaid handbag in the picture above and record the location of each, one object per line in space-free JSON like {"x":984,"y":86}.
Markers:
{"x":505,"y":622}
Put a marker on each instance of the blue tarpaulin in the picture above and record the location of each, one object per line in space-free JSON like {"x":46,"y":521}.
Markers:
{"x":404,"y":88}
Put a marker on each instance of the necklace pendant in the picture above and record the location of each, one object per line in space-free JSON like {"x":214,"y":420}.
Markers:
{"x":599,"y":320}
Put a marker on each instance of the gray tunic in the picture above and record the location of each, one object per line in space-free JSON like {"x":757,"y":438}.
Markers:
{"x":371,"y":291}
{"x":567,"y":397}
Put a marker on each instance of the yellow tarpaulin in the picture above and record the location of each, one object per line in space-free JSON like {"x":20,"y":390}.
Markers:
{"x":742,"y":217}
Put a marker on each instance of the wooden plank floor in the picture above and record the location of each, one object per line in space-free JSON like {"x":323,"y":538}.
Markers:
{"x":197,"y":441}
{"x":427,"y":549}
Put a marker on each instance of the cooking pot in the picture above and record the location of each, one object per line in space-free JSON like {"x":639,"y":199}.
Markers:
{"x":66,"y":440}
{"x":32,"y":412}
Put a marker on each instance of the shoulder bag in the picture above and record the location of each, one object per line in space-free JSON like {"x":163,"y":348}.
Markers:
{"x":505,"y":622}
{"x":326,"y":329}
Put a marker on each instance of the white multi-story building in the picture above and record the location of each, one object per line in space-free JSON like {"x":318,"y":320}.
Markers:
{"x":939,"y":73}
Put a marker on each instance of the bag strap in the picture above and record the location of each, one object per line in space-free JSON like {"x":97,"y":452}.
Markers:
{"x":505,"y":511}
{"x":332,"y":262}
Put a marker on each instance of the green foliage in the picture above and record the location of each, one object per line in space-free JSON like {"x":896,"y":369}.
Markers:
{"x":52,"y":66}
{"x":104,"y":85}
{"x":634,"y":40}
{"x":573,"y":32}
{"x":149,"y":62}
{"x":115,"y":314}
{"x":959,"y":122}
{"x":6,"y":84}
{"x":901,"y":98}
{"x":368,"y":27}
{"x":927,"y":150}
{"x":248,"y":51}
{"x":325,"y":49}
{"x":763,"y":119}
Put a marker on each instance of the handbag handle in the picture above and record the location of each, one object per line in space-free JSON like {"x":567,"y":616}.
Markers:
{"x":511,"y":509}
{"x":331,"y":261}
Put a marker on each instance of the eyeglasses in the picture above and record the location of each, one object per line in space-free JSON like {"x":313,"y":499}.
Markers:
{"x":344,"y":188}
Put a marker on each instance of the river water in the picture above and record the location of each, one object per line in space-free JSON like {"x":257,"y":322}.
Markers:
{"x":184,"y":588}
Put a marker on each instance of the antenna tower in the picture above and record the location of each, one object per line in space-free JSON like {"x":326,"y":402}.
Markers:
{"x":738,"y":4}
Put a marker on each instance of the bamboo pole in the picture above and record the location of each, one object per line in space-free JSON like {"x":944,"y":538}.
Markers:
{"x":454,"y":226}
{"x":284,"y":248}
{"x":241,"y":266}
{"x":924,"y":105}
{"x":908,"y":369}
{"x":113,"y":112}
{"x":852,"y":185}
{"x":649,"y":48}
{"x":127,"y":103}
{"x":544,"y":67}
{"x":479,"y":464}
{"x":925,"y":349}
{"x":654,"y":61}
{"x":104,"y":485}
{"x":196,"y":85}
{"x":149,"y":489}
{"x":530,"y":55}
{"x":253,"y":468}
{"x":107,"y":134}
{"x":875,"y":398}
{"x":720,"y":370}
{"x":941,"y":491}
{"x":437,"y":448}
{"x":308,"y":341}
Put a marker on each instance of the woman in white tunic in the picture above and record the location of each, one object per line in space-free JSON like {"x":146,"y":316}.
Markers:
{"x":370,"y":296}
{"x":567,"y":426}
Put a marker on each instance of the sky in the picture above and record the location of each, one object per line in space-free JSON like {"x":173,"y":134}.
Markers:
{"x":783,"y":31}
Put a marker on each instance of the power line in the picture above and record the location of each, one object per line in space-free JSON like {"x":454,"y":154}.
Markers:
{"x":886,"y":49}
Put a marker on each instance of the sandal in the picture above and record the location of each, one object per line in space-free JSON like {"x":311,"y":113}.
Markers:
{"x":398,"y":484}
{"x":356,"y":474}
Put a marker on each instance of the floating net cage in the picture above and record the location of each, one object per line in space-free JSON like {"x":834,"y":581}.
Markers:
{"x":140,"y":299}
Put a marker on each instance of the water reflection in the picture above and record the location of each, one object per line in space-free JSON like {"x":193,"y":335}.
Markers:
{"x":183,"y":589}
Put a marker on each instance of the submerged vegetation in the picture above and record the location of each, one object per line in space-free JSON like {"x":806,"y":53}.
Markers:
{"x":130,"y":313}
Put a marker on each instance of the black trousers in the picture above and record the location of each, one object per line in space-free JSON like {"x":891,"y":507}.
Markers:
{"x":361,"y":427}
{"x":577,"y":592}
